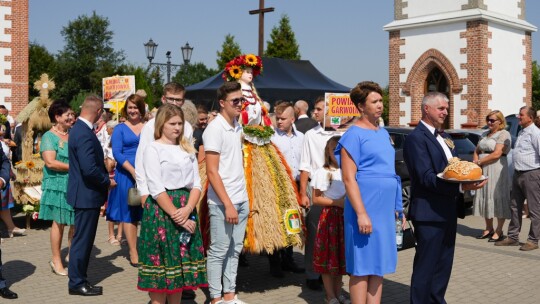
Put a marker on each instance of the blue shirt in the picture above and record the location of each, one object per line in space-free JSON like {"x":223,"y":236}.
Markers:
{"x":291,"y":147}
{"x":527,"y":150}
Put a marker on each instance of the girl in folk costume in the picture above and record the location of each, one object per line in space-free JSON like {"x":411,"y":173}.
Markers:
{"x":272,"y":192}
{"x":329,"y":252}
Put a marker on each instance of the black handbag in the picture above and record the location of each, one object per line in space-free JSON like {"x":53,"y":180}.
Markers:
{"x":409,"y":241}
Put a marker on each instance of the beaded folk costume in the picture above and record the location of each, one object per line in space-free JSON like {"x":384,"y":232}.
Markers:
{"x":274,"y":221}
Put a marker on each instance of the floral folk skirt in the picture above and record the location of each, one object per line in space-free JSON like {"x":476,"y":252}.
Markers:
{"x":166,"y":265}
{"x":329,"y":252}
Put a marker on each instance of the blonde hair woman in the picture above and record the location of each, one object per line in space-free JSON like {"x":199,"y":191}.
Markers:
{"x":490,"y":154}
{"x":168,"y":266}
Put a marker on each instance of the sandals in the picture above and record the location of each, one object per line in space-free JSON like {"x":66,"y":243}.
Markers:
{"x":484,"y":235}
{"x":121,"y":240}
{"x":113,"y":241}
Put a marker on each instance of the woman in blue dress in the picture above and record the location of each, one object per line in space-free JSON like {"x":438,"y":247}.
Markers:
{"x":373,"y":189}
{"x":125,"y":140}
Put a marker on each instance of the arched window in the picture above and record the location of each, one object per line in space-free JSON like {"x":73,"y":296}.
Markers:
{"x":436,"y":82}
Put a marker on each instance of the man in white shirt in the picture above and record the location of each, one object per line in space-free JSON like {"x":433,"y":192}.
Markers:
{"x":525,"y":182}
{"x":227,"y":195}
{"x":289,"y":141}
{"x":312,"y":159}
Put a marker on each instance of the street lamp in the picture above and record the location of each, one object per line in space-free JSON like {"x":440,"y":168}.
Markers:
{"x":186,"y":53}
{"x":150,"y":49}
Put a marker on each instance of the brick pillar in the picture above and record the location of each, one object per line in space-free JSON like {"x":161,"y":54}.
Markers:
{"x":394,"y":84}
{"x":528,"y":69}
{"x":15,"y":44}
{"x":477,"y":66}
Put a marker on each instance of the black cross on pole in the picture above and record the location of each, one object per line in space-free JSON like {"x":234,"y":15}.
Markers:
{"x":261,"y":11}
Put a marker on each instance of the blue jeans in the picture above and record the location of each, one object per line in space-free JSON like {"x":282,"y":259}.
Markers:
{"x":226,"y":241}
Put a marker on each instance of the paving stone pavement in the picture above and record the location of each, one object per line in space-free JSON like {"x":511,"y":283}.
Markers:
{"x":482,"y":273}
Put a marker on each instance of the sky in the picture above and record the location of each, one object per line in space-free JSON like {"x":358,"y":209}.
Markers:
{"x":344,"y":39}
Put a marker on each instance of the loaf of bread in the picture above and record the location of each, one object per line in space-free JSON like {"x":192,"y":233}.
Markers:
{"x":462,"y":170}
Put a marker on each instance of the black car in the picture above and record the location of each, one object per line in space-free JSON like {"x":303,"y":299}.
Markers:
{"x":464,"y":149}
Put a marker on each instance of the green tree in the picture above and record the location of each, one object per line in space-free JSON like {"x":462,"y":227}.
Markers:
{"x":193,"y":73}
{"x":282,"y":42}
{"x":40,"y":61}
{"x":87,"y":56}
{"x":77,"y":100}
{"x":143,"y":81}
{"x":229,"y":50}
{"x":386,"y":105}
{"x":536,"y":85}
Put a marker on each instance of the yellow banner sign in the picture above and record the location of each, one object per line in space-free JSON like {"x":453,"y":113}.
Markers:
{"x":340,"y":105}
{"x":118,"y":88}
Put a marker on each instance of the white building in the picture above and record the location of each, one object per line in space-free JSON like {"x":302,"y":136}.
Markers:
{"x":477,"y":52}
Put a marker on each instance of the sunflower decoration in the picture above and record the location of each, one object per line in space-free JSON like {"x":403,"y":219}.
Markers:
{"x":234,"y":68}
{"x":236,"y":72}
{"x":30,"y":164}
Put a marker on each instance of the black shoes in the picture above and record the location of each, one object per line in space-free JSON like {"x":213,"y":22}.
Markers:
{"x":8,"y":294}
{"x":500,"y":238}
{"x":485,"y":236}
{"x":87,"y":290}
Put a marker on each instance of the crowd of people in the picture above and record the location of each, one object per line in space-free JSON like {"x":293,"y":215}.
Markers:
{"x":338,"y":183}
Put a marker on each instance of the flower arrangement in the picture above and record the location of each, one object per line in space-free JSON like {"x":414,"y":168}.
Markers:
{"x":234,"y":68}
{"x":33,"y":210}
{"x":28,"y":164}
{"x":3,"y":119}
{"x":258,"y":131}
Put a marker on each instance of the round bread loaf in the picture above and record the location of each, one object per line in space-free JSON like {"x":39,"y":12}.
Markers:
{"x":462,"y":170}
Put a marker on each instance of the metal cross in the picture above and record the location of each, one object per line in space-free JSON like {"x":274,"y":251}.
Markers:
{"x":261,"y":11}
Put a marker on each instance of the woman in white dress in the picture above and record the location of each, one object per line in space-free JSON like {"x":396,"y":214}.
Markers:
{"x":490,"y":154}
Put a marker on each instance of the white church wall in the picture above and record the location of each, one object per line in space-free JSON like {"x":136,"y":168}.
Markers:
{"x":506,"y":73}
{"x":509,"y":8}
{"x":418,"y":8}
{"x":459,"y":105}
{"x":406,"y":108}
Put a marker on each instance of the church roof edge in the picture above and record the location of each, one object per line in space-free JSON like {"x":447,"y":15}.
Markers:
{"x":460,"y":16}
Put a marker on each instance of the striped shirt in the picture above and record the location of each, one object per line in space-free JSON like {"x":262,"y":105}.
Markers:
{"x":526,"y":153}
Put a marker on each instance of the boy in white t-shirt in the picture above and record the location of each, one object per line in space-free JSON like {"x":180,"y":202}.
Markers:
{"x":227,"y":196}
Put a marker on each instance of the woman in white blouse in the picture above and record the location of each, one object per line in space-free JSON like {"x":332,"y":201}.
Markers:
{"x":171,"y":255}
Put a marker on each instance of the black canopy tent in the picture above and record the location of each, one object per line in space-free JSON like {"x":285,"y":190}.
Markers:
{"x":281,"y":80}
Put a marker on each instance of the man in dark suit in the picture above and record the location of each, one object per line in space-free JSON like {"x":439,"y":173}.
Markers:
{"x":4,"y":179}
{"x":303,"y":122}
{"x":88,"y":184}
{"x":433,"y":201}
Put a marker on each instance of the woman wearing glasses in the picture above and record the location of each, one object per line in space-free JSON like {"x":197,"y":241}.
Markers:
{"x":271,"y":189}
{"x":490,"y":154}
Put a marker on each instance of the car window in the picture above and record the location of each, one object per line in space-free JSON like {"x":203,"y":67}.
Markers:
{"x":464,"y":146}
{"x":397,"y":140}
